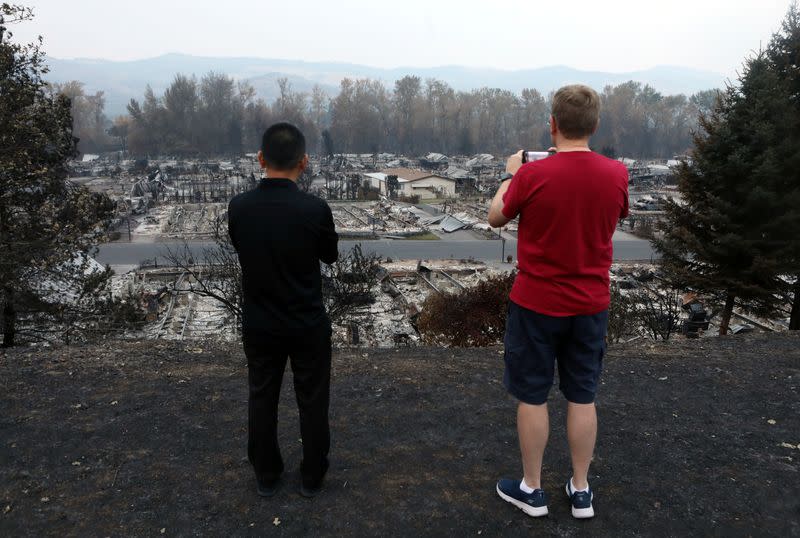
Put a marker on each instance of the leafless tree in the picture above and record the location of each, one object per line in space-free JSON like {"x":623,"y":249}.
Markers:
{"x":621,"y":316}
{"x":306,"y":179}
{"x":217,"y":274}
{"x":658,"y":312}
{"x":347,"y":284}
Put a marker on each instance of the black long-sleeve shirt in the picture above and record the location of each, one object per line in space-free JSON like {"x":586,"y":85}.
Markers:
{"x":281,"y":234}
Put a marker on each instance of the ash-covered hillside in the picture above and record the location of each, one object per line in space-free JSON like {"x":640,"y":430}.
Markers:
{"x":697,"y":438}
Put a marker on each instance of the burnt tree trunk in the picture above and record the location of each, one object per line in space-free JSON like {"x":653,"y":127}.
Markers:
{"x":9,"y":318}
{"x":794,"y":320}
{"x":9,"y":311}
{"x":726,"y":313}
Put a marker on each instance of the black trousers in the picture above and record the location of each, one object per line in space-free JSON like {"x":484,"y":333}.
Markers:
{"x":310,"y":355}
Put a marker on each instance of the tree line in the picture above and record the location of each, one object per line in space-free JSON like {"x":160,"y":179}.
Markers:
{"x":217,"y":115}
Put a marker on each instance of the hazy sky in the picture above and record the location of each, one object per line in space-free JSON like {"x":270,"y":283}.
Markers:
{"x":610,"y":35}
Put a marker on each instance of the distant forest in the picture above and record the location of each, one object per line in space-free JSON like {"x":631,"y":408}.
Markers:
{"x":217,"y":115}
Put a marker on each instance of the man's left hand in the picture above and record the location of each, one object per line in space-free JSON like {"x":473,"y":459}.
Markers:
{"x":514,"y":163}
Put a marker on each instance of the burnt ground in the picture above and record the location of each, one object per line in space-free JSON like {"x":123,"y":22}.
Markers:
{"x":149,"y":439}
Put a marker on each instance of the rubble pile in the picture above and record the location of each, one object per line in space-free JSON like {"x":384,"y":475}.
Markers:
{"x":188,"y":315}
{"x":390,"y":320}
{"x":193,"y":219}
{"x":160,"y":196}
{"x":467,"y":214}
{"x":151,"y":223}
{"x":637,"y":280}
{"x":174,"y":311}
{"x":171,"y":198}
{"x":186,"y":221}
{"x":386,"y":219}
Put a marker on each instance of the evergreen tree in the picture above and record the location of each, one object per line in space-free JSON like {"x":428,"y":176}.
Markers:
{"x":47,"y":225}
{"x":784,"y":53}
{"x":726,"y":236}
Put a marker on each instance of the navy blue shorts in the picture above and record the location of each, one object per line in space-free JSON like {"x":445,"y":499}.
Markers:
{"x":535,"y":342}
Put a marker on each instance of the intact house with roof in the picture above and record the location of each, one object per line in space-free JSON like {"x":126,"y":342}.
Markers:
{"x":426,"y":185}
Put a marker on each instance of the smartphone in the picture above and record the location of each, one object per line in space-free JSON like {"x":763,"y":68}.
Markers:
{"x":530,"y":156}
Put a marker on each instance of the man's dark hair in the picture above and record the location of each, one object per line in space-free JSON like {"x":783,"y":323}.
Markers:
{"x":283,"y":146}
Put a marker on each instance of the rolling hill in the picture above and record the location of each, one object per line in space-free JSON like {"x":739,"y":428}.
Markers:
{"x":123,"y":80}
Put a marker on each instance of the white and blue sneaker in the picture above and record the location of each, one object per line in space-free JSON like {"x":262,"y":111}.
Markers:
{"x":581,"y":502}
{"x":534,"y":504}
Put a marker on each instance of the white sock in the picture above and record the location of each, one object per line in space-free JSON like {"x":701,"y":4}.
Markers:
{"x":524,"y":487}
{"x":576,"y":490}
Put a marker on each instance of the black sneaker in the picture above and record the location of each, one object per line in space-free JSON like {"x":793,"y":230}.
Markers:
{"x":311,"y":488}
{"x":268,"y":488}
{"x":534,"y":504}
{"x":581,"y":502}
{"x":310,"y":492}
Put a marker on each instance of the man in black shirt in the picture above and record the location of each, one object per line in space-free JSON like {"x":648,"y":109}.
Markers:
{"x":281,"y":234}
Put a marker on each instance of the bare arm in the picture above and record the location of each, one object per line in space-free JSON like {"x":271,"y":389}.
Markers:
{"x":496,"y":217}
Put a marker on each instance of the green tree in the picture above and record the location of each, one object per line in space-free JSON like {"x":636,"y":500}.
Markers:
{"x":47,"y":225}
{"x":724,"y":238}
{"x":784,"y":164}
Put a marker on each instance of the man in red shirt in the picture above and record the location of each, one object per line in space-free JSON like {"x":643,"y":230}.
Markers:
{"x":568,"y":206}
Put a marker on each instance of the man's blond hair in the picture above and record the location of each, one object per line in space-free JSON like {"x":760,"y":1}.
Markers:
{"x":576,"y":109}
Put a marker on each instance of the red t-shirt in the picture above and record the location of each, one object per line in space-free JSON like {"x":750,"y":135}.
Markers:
{"x":568,"y":206}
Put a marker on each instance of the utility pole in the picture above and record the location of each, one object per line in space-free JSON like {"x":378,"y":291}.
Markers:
{"x":503,"y":242}
{"x":503,"y":255}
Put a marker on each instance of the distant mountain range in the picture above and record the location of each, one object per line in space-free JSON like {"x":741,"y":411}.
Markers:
{"x":123,"y":80}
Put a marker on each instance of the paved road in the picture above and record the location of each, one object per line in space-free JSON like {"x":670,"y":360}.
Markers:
{"x":626,"y":247}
